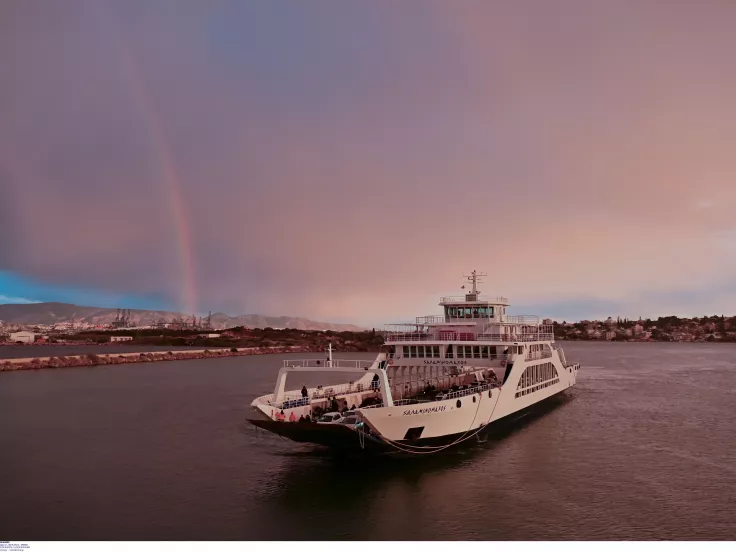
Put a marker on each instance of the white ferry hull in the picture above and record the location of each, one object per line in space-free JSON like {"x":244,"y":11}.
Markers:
{"x":342,"y":440}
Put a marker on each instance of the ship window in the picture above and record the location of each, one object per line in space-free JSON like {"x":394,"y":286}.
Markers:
{"x":459,"y":403}
{"x":448,"y":352}
{"x":536,"y":377}
{"x":475,"y":313}
{"x":490,"y":311}
{"x":476,"y":352}
{"x":406,"y":351}
{"x":460,"y":312}
{"x":467,"y":312}
{"x":484,"y":351}
{"x":413,"y":351}
{"x":436,"y":351}
{"x":452,"y":311}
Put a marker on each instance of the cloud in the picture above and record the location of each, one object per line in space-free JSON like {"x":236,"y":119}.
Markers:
{"x":340,"y":161}
{"x":16,"y":300}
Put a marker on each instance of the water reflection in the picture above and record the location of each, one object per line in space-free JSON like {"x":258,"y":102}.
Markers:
{"x":373,"y":497}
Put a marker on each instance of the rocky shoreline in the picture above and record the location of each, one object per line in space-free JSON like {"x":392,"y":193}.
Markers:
{"x":91,"y":359}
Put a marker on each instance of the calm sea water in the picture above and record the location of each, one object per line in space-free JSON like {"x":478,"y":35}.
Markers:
{"x":643,"y":448}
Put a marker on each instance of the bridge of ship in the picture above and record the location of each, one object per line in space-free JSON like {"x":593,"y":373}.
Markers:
{"x":472,"y":317}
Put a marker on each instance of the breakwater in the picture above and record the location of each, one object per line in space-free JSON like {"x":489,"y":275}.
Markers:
{"x":92,"y":359}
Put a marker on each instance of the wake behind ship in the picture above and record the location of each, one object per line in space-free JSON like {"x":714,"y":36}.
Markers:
{"x":443,"y":380}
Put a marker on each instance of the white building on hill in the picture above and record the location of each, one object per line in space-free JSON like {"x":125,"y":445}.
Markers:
{"x":23,"y":337}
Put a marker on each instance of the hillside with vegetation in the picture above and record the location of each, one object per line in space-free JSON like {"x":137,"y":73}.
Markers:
{"x":363,"y":341}
{"x":716,"y":328}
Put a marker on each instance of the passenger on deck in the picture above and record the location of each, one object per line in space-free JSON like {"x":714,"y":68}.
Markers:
{"x":305,"y":393}
{"x":292,"y":417}
{"x":301,"y":419}
{"x":281,"y":416}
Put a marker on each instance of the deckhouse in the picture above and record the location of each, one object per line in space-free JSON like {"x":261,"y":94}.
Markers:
{"x":473,"y":330}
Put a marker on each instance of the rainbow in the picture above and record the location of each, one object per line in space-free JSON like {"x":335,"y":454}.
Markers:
{"x":171,"y":181}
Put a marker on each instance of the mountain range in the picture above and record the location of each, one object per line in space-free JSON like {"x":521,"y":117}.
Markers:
{"x":55,"y":313}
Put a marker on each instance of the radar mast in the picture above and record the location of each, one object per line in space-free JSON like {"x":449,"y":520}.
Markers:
{"x":474,"y":279}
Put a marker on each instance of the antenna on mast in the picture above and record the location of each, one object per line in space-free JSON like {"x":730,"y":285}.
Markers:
{"x":474,"y":279}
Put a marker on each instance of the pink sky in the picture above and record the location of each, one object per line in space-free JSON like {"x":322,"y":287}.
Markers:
{"x":349,"y":162}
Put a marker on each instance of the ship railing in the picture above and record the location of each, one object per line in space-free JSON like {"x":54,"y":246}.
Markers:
{"x":326,"y":391}
{"x":322,"y":363}
{"x":479,"y":299}
{"x":471,"y":390}
{"x":537,"y":355}
{"x":440,"y":319}
{"x":524,"y":319}
{"x":442,"y":395}
{"x":516,"y":337}
{"x":449,"y":336}
{"x":517,"y":327}
{"x":293,"y":402}
{"x":490,"y":356}
{"x":321,"y":393}
{"x":440,"y":336}
{"x":530,"y":319}
{"x":405,"y":402}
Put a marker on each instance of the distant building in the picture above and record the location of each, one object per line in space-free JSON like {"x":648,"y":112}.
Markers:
{"x":212,"y":335}
{"x":23,"y":337}
{"x":114,"y":338}
{"x":610,"y":335}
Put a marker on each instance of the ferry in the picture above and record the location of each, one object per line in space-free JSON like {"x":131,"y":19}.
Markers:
{"x":440,"y":381}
